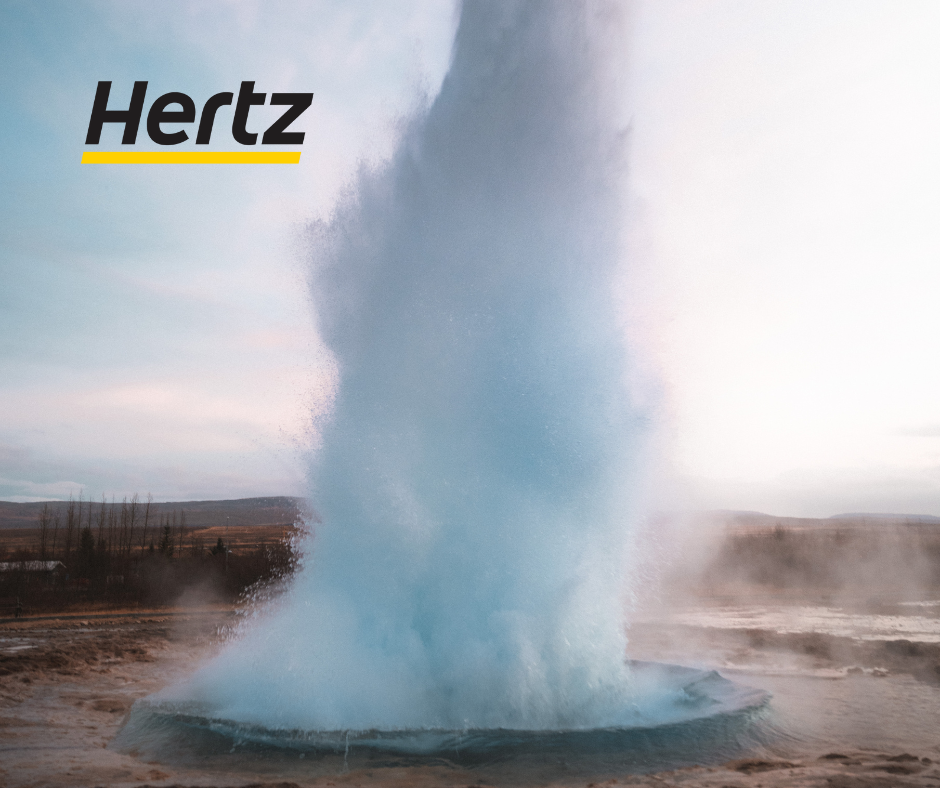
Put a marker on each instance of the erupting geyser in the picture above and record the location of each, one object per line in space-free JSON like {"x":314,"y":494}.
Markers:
{"x":478,"y":471}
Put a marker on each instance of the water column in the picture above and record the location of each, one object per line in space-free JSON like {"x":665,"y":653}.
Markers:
{"x":476,"y":477}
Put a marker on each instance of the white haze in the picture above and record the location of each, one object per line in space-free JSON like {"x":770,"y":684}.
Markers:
{"x":787,"y":182}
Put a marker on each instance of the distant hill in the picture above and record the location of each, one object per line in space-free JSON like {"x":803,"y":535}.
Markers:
{"x":919,"y":519}
{"x":746,"y":521}
{"x":278,"y":510}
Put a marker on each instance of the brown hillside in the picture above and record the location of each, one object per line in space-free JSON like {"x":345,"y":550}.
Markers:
{"x":279,"y":510}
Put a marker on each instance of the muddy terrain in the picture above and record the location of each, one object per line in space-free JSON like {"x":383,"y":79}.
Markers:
{"x":66,"y":684}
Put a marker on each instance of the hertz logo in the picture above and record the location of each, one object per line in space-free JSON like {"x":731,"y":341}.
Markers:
{"x":160,"y":114}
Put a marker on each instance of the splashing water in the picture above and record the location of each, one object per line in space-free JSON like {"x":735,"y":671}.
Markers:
{"x":478,"y":473}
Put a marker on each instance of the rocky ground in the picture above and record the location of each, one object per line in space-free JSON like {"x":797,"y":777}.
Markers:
{"x":66,"y":684}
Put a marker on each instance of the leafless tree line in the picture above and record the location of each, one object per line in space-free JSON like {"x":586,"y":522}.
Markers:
{"x":128,"y":551}
{"x":115,"y":531}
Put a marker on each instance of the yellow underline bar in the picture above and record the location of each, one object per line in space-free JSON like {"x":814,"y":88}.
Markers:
{"x":191,"y":157}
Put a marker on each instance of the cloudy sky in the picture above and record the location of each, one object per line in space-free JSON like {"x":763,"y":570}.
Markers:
{"x":154,"y":328}
{"x":155,"y":334}
{"x":787,"y":175}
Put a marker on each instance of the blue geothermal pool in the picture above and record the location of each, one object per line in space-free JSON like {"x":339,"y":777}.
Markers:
{"x":681,"y":716}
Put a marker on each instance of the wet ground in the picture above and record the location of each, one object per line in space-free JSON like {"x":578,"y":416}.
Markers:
{"x":856,"y":700}
{"x":864,"y":675}
{"x":66,"y":684}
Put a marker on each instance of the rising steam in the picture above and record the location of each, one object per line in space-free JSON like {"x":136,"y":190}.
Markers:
{"x":478,"y":473}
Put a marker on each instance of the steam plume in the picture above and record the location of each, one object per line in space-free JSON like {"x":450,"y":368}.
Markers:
{"x":475,"y":479}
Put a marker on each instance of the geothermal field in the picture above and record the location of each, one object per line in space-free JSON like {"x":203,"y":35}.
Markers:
{"x":825,"y":633}
{"x":483,"y":586}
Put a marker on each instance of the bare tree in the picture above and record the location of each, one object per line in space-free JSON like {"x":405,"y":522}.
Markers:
{"x":104,"y":545}
{"x":131,"y":520}
{"x":55,"y":531}
{"x":69,"y":528}
{"x":122,"y":531}
{"x":44,"y":521}
{"x":112,"y":528}
{"x":143,"y":536}
{"x":182,"y":531}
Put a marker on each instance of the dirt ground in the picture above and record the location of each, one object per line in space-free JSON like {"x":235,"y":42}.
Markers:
{"x":67,"y":682}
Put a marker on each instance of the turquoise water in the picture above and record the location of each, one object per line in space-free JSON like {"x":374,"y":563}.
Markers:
{"x":702,"y":717}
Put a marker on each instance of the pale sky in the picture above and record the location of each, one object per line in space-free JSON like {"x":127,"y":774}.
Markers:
{"x":786,"y":172}
{"x":155,"y":334}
